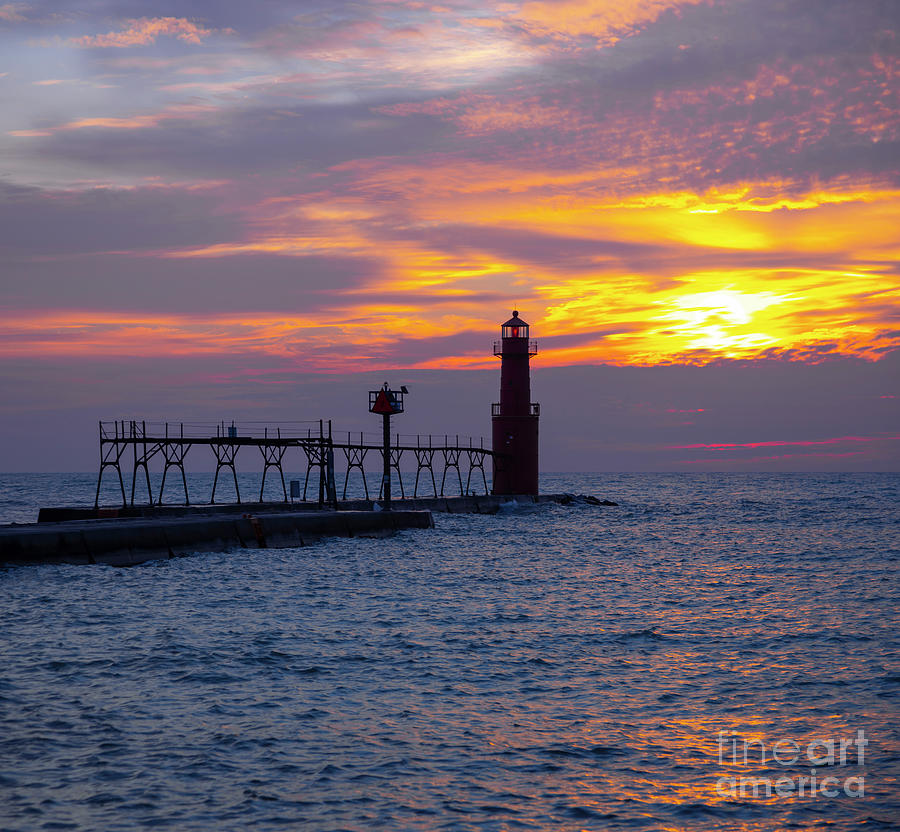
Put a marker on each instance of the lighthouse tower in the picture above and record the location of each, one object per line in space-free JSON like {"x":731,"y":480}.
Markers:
{"x":515,"y":416}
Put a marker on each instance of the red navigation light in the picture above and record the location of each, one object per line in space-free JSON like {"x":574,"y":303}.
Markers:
{"x":385,"y":401}
{"x":382,"y":403}
{"x":515,"y":327}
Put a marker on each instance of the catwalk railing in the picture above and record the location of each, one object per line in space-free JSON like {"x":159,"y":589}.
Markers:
{"x":170,"y":442}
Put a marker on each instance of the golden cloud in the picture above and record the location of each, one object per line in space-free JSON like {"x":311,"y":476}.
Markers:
{"x":144,"y":30}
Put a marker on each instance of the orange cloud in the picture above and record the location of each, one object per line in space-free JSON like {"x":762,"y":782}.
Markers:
{"x":604,"y":21}
{"x":177,"y":112}
{"x":96,"y":333}
{"x":144,"y":30}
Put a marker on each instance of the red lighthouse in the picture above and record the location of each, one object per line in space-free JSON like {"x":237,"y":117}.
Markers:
{"x":515,"y":417}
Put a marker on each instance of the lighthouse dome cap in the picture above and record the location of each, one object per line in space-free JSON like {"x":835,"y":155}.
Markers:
{"x":515,"y":320}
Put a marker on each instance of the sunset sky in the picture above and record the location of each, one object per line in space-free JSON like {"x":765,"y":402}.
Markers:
{"x":252,"y":210}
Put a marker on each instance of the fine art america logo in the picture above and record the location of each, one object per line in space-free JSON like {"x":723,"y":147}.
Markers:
{"x":737,"y":751}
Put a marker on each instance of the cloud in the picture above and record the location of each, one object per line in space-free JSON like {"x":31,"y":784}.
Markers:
{"x":209,"y":138}
{"x":752,"y":460}
{"x":43,"y":223}
{"x":525,"y":246}
{"x":839,"y":440}
{"x":30,"y":134}
{"x":485,"y":114}
{"x":177,"y":112}
{"x":250,"y":286}
{"x":145,"y":30}
{"x":598,"y":22}
{"x":12,"y":12}
{"x":411,"y":45}
{"x":808,"y":122}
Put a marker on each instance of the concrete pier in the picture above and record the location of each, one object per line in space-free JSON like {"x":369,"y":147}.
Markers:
{"x":473,"y":504}
{"x":133,"y":534}
{"x":123,"y":542}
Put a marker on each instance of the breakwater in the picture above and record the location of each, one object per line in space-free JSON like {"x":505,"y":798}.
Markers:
{"x":128,"y":541}
{"x":135,"y":534}
{"x":472,"y":504}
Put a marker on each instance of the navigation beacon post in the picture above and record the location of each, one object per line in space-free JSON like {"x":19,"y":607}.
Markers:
{"x":515,"y":416}
{"x":387,"y":402}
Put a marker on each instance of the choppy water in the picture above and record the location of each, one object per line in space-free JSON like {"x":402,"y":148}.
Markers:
{"x":557,"y":668}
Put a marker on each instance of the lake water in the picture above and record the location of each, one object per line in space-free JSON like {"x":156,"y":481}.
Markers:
{"x":548,"y":667}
